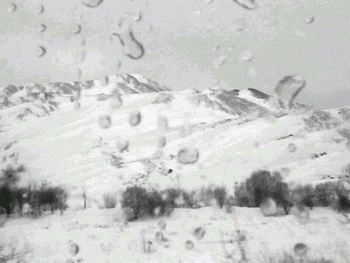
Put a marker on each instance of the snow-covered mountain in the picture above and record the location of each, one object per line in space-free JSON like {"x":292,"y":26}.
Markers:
{"x":102,"y":135}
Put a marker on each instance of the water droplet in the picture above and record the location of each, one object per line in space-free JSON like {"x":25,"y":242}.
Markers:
{"x":73,"y":249}
{"x":131,"y":46}
{"x":288,"y":88}
{"x":122,"y":145}
{"x":237,"y":27}
{"x":189,"y":245}
{"x":301,"y":213}
{"x":138,"y":17}
{"x":219,"y":61}
{"x":159,"y":237}
{"x":105,"y":121}
{"x":268,"y":207}
{"x":187,"y":156}
{"x":77,"y":29}
{"x":12,"y":8}
{"x":246,"y":56}
{"x":247,"y":4}
{"x":309,"y":20}
{"x":197,"y":12}
{"x":135,"y":118}
{"x":209,"y":1}
{"x":40,"y":9}
{"x":292,"y":147}
{"x":42,"y":28}
{"x":41,"y":51}
{"x":162,"y":224}
{"x":198,"y":233}
{"x":92,"y":3}
{"x":161,"y":142}
{"x":300,"y":249}
{"x":77,"y":105}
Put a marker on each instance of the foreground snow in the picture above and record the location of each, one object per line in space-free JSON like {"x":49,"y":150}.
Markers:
{"x":102,"y":236}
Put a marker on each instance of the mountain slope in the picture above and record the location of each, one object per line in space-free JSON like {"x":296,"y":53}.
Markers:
{"x":99,"y":147}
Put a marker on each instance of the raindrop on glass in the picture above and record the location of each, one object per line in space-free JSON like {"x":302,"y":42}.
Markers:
{"x":246,"y":56}
{"x":247,"y":4}
{"x":42,"y":28}
{"x":268,"y":207}
{"x":162,"y":225}
{"x":288,"y":88}
{"x":301,"y":213}
{"x":12,"y":8}
{"x":92,"y":3}
{"x":309,"y":20}
{"x":77,"y":29}
{"x":189,"y":245}
{"x":187,"y":156}
{"x":105,"y":121}
{"x":73,"y":249}
{"x":198,"y":233}
{"x":135,"y":118}
{"x":300,"y":249}
{"x":131,"y":46}
{"x":40,"y":9}
{"x":219,"y":61}
{"x":116,"y":100}
{"x":41,"y":51}
{"x":122,"y":145}
{"x":138,"y":17}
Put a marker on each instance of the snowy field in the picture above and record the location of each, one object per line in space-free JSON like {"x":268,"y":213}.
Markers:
{"x":103,"y":237}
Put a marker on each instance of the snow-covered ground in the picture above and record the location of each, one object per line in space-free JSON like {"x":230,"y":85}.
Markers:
{"x":102,"y":236}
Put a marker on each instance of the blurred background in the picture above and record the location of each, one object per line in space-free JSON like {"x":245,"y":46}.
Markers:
{"x":181,"y":43}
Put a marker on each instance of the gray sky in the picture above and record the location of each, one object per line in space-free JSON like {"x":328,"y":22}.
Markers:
{"x":184,"y":42}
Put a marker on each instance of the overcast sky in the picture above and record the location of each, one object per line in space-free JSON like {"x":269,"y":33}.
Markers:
{"x":188,"y":43}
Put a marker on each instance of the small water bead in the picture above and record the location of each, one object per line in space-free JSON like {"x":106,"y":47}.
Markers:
{"x":92,"y":3}
{"x":105,"y":121}
{"x":42,"y":28}
{"x":77,"y":29}
{"x":116,"y":99}
{"x":41,"y":51}
{"x":198,"y":233}
{"x":219,"y":61}
{"x":162,"y":224}
{"x":40,"y":9}
{"x":246,"y":55}
{"x":12,"y":8}
{"x":300,"y":249}
{"x":247,"y":4}
{"x":268,"y":207}
{"x":73,"y":249}
{"x":189,"y":245}
{"x":187,"y":156}
{"x":135,"y":118}
{"x":309,"y":20}
{"x":301,"y":213}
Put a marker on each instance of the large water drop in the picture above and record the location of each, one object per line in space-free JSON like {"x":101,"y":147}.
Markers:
{"x":187,"y":156}
{"x":131,"y":46}
{"x":105,"y":121}
{"x":41,"y":51}
{"x":288,"y":88}
{"x":134,"y":118}
{"x":12,"y":8}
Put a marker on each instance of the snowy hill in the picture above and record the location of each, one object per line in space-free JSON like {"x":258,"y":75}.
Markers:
{"x":103,"y":135}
